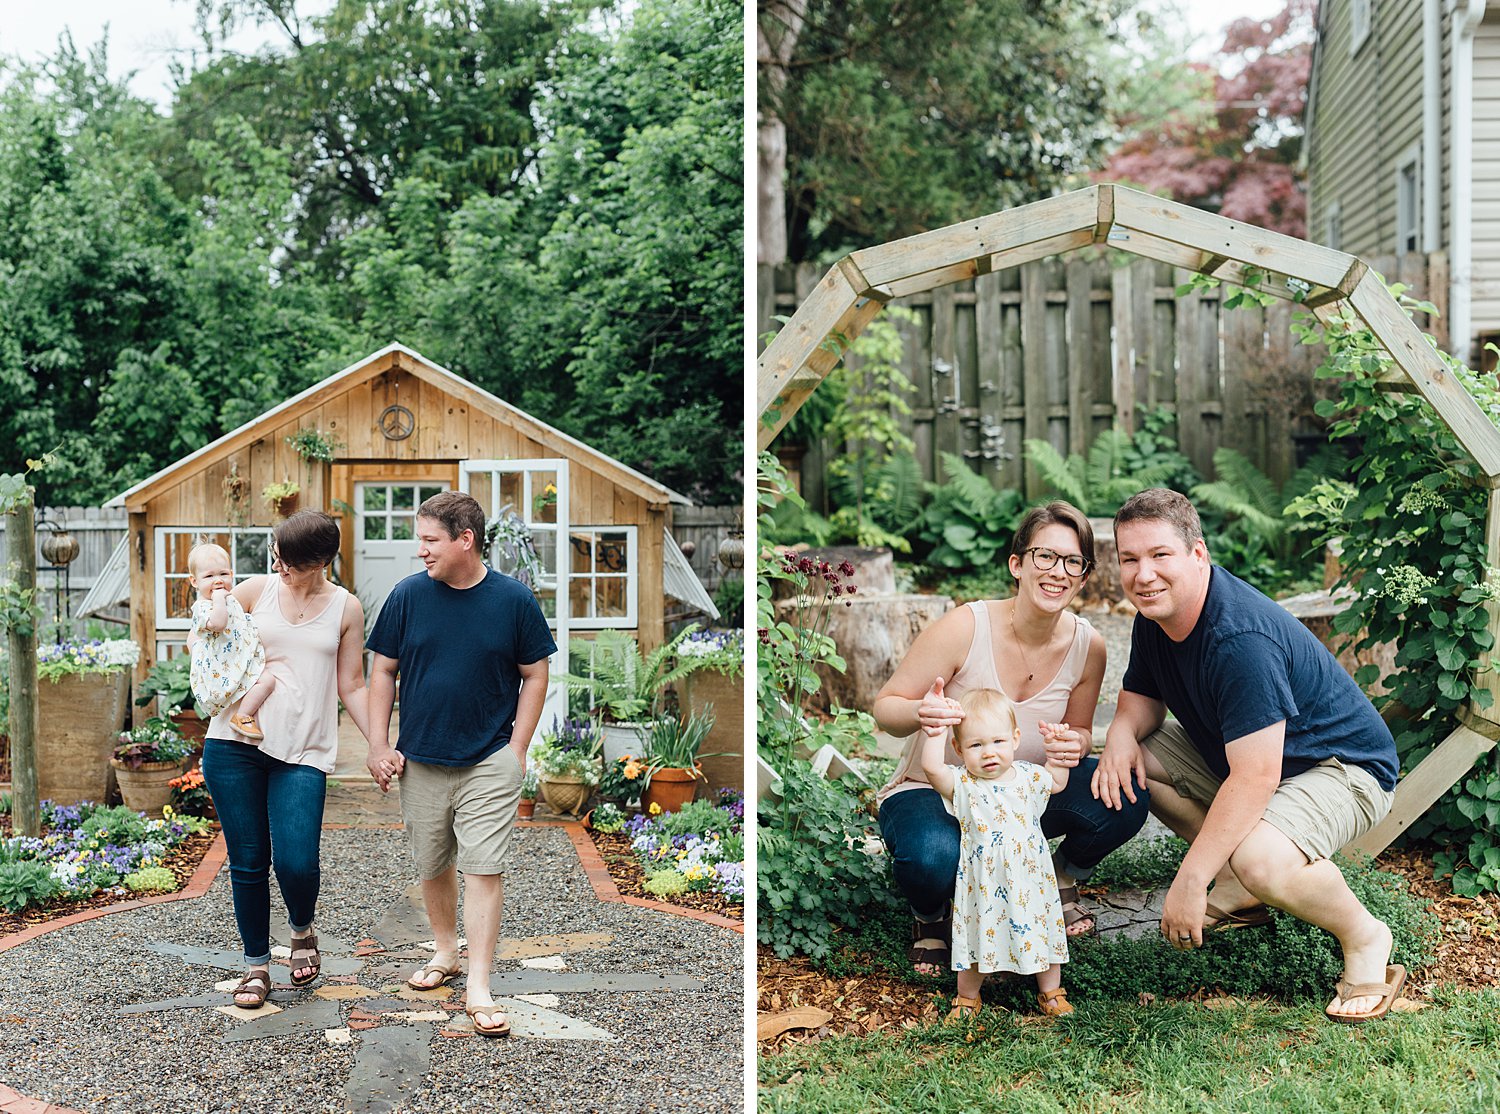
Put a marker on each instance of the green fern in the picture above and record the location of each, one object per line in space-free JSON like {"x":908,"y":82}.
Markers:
{"x":1244,"y":492}
{"x":1065,"y":477}
{"x":623,"y":682}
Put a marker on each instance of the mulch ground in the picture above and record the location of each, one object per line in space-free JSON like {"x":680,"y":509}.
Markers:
{"x":1468,"y":958}
{"x":182,"y":861}
{"x":629,"y":877}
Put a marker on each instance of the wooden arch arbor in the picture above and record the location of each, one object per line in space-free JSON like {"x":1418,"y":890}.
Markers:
{"x":858,"y":286}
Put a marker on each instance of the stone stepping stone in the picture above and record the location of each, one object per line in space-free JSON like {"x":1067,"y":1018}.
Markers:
{"x":528,"y":1020}
{"x":311,"y":1016}
{"x":388,"y":1063}
{"x":586,"y":982}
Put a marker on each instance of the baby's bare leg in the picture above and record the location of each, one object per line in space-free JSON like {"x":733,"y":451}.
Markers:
{"x":1050,"y":979}
{"x":969,"y":982}
{"x":253,"y":699}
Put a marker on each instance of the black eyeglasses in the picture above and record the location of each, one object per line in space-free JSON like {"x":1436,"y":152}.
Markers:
{"x":1043,"y":559}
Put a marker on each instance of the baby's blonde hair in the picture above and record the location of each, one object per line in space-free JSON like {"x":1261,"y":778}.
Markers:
{"x":192,"y":561}
{"x":985,"y":703}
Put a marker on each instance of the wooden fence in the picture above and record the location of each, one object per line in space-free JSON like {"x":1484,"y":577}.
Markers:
{"x":97,"y":531}
{"x":702,"y":530}
{"x":1063,"y":349}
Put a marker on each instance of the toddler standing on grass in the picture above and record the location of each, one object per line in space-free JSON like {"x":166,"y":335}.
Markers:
{"x":1006,"y":912}
{"x":228,"y":663}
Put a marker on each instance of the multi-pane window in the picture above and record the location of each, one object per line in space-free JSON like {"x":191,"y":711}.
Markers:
{"x":1408,"y":204}
{"x":602,"y":576}
{"x":249,"y":555}
{"x":389,"y":511}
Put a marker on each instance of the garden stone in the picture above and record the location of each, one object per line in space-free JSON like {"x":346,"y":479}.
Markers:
{"x":316,"y":1015}
{"x":388,"y":1062}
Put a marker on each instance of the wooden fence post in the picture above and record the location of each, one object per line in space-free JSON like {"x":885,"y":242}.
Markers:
{"x":25,"y":808}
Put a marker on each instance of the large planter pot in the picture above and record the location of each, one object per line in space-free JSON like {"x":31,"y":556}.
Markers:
{"x":704,"y":689}
{"x":671,"y":788}
{"x":194,"y":729}
{"x":78,"y":722}
{"x":565,"y":794}
{"x":620,"y":739}
{"x":147,"y":788}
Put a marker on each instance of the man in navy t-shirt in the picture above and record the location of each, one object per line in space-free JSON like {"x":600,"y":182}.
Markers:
{"x":471,"y":647}
{"x":1276,"y":758}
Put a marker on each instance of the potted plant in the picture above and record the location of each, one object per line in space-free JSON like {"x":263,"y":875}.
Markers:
{"x":606,"y":819}
{"x":527,"y":808}
{"x":312,"y":444}
{"x":625,"y":688}
{"x":623,"y":780}
{"x":281,"y":497}
{"x":672,"y":770}
{"x":82,"y":693}
{"x":566,"y":760}
{"x":146,"y":760}
{"x":169,"y":684}
{"x":190,"y":796}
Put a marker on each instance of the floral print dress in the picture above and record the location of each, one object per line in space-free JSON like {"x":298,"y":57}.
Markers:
{"x":1006,"y":912}
{"x":225,"y":663}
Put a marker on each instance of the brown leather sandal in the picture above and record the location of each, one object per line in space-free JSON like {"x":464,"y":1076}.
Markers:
{"x":307,"y":949}
{"x":940,"y":929}
{"x":254,"y":982}
{"x":1073,"y":911}
{"x":1054,"y":1003}
{"x":963,"y":1009}
{"x":418,"y":980}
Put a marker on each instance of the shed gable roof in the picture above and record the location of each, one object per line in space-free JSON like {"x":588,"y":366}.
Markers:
{"x":400,"y":357}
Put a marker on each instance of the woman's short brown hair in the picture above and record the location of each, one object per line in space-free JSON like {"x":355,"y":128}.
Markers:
{"x":307,"y":539}
{"x":1057,"y":513}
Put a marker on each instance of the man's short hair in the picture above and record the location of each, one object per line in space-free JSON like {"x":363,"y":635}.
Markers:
{"x":1057,"y":513}
{"x":1157,"y":504}
{"x":457,"y":512}
{"x":985,"y":702}
{"x":307,"y":539}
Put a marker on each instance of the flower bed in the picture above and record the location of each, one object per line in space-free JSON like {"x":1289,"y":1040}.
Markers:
{"x":698,"y":849}
{"x":88,"y":850}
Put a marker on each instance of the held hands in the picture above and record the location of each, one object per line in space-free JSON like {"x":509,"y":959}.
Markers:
{"x":1063,"y":744}
{"x":385,"y":763}
{"x":936,"y":712}
{"x":1111,"y":783}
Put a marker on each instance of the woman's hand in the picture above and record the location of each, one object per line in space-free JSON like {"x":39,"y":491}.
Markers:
{"x":1064,"y":745}
{"x":937,"y":713}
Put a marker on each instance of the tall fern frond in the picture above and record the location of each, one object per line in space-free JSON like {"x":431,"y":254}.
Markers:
{"x":1066,"y":477}
{"x":899,"y":481}
{"x":1244,"y":491}
{"x":967,"y":483}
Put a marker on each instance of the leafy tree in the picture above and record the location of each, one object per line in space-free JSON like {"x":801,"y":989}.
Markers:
{"x":1235,"y":153}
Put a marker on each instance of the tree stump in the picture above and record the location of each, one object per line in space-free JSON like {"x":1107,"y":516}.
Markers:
{"x":873,"y":634}
{"x":1102,"y":589}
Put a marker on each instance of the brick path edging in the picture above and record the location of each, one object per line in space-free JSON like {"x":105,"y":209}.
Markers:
{"x":13,"y":1102}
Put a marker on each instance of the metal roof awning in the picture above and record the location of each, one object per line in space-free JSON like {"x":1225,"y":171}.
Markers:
{"x":680,"y":582}
{"x":111,"y":587}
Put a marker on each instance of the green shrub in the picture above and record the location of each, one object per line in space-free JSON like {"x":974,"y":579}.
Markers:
{"x":5,"y":804}
{"x":813,"y":874}
{"x":151,"y":879}
{"x":1141,"y":864}
{"x":697,"y":817}
{"x":968,"y":521}
{"x":23,"y":884}
{"x":118,"y":825}
{"x":666,"y":883}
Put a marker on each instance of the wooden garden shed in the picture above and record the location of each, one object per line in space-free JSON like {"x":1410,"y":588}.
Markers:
{"x":399,"y":428}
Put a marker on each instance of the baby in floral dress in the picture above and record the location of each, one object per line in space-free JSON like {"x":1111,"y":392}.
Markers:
{"x":228,"y":663}
{"x":1006,"y":912}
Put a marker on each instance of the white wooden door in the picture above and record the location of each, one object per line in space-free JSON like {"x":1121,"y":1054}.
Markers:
{"x":385,"y":533}
{"x":537,"y":492}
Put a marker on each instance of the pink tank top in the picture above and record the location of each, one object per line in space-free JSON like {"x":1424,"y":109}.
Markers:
{"x":300,"y":717}
{"x":1050,"y":703}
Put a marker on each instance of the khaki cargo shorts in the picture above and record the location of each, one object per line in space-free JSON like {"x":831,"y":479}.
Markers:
{"x":461,"y":815}
{"x":1319,"y":810}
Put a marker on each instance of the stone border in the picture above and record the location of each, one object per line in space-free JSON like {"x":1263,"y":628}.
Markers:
{"x":605,"y":889}
{"x":13,"y":1102}
{"x":197,"y":886}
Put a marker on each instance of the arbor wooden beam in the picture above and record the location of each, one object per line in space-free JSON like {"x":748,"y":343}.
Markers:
{"x":1416,"y":792}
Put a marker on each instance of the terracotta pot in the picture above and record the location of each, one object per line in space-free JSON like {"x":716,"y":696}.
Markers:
{"x":565,"y":794}
{"x":194,"y":729}
{"x":726,"y":695}
{"x":79,"y":719}
{"x":671,"y":788}
{"x":147,"y":787}
{"x":526,"y":809}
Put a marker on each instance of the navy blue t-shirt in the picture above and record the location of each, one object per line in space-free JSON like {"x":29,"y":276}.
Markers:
{"x":1247,"y":664}
{"x":459,"y":652}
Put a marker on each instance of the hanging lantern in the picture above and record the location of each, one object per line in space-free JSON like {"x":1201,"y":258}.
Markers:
{"x":732,"y":551}
{"x":59,"y":548}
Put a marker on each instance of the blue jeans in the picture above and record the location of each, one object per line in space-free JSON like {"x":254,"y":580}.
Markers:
{"x":272,"y":815}
{"x":922,"y":838}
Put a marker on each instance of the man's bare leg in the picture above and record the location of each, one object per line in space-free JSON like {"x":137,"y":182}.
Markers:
{"x":440,"y":896}
{"x":1274,"y":870}
{"x":483,"y":896}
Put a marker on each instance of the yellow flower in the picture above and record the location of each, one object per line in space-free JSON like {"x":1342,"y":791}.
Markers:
{"x":655,"y":809}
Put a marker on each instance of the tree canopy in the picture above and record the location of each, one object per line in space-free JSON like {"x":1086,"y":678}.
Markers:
{"x":546,"y":198}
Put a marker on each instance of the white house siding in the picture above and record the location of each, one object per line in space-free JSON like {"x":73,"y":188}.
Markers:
{"x":1485,"y":288}
{"x":1368,"y":112}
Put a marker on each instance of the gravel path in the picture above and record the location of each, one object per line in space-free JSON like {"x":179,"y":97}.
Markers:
{"x":62,"y":1040}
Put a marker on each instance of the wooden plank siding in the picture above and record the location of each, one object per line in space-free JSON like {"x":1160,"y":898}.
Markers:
{"x":1063,"y":350}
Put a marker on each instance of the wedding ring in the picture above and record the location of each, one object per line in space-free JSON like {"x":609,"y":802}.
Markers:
{"x":1185,"y":937}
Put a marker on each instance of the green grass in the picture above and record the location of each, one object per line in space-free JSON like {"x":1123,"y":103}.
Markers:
{"x":1175,"y":1057}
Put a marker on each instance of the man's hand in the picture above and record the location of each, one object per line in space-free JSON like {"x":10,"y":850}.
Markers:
{"x":936,"y":713}
{"x":384,"y":763}
{"x":1183,"y":913}
{"x":1064,"y":746}
{"x":1111,"y":782}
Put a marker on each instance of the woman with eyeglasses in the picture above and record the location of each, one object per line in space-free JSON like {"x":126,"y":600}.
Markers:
{"x":1050,"y":663}
{"x":269,"y":792}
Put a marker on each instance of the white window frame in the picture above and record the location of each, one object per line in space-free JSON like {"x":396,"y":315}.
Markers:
{"x":1333,"y":226}
{"x":630,"y":620}
{"x":1409,"y":188}
{"x":1361,"y":22}
{"x":165,"y":622}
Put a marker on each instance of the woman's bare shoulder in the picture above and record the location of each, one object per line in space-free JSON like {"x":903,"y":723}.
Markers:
{"x":248,"y":591}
